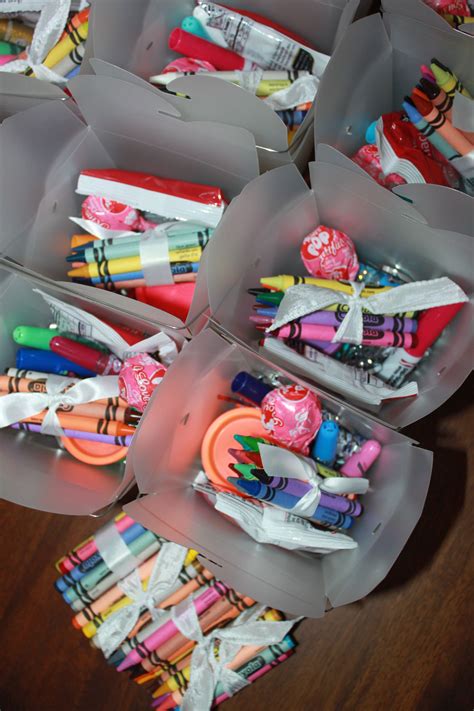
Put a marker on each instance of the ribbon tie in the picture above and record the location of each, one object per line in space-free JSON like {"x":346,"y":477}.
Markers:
{"x":276,"y":460}
{"x":304,"y":299}
{"x":207,"y":669}
{"x":20,"y":406}
{"x":163,"y":578}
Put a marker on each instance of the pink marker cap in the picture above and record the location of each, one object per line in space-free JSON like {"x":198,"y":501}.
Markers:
{"x":360,"y":462}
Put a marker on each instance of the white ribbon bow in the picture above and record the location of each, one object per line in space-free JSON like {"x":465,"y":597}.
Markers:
{"x":282,"y":462}
{"x":20,"y":406}
{"x":167,"y":567}
{"x":48,"y":30}
{"x":206,"y":670}
{"x":420,"y":295}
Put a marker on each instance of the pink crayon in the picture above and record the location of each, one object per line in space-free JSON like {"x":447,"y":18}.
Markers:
{"x":169,"y":629}
{"x":427,"y":73}
{"x":90,"y":548}
{"x":256,"y":675}
{"x":370,"y":336}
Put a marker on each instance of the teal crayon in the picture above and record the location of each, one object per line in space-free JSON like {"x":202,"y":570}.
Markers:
{"x":93,"y":577}
{"x":426,"y":129}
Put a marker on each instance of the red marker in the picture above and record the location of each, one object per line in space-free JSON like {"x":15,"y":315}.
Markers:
{"x":431,"y":324}
{"x":98,"y":362}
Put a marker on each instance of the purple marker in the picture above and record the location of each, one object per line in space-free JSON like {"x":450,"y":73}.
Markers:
{"x":76,"y":434}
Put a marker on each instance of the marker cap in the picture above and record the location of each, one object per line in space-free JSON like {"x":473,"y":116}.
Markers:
{"x":325,"y":444}
{"x":251,"y":388}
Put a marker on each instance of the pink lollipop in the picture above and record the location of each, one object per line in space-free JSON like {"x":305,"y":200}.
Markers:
{"x":292,"y":416}
{"x":329,"y":254}
{"x":188,"y":64}
{"x":110,"y":214}
{"x":138,"y":378}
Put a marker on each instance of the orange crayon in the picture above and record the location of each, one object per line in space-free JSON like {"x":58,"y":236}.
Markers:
{"x":441,"y":124}
{"x":85,"y":424}
{"x":80,"y":240}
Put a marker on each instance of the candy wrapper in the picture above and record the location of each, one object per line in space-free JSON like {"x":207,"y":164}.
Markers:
{"x":138,"y":378}
{"x":367,"y":158}
{"x":329,"y":254}
{"x":110,"y":214}
{"x":292,"y":416}
{"x":452,"y":7}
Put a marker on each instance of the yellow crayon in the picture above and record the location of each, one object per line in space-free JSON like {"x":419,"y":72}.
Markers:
{"x":64,"y":46}
{"x":284,"y":282}
{"x":448,"y":81}
{"x":132,"y":264}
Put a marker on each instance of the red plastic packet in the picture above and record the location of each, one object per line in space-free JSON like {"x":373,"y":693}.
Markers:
{"x":404,"y":150}
{"x":451,"y":7}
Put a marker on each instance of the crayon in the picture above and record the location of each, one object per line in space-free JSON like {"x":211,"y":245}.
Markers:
{"x":292,"y":118}
{"x":177,"y":269}
{"x":78,"y":572}
{"x":256,"y":675}
{"x":438,"y":97}
{"x":335,"y":318}
{"x":274,"y":298}
{"x":71,"y":62}
{"x":189,"y":580}
{"x":440,"y":123}
{"x":118,"y":441}
{"x":97,"y":410}
{"x":321,"y":515}
{"x":370,"y":336}
{"x":136,"y":547}
{"x":250,"y":472}
{"x":426,"y":129}
{"x":75,"y":37}
{"x":84,"y":424}
{"x":88,"y":547}
{"x":457,"y":21}
{"x":9,"y":49}
{"x":86,"y":357}
{"x":132,"y":264}
{"x":285,"y":281}
{"x":427,"y":73}
{"x":78,"y":241}
{"x":26,"y":381}
{"x":49,"y":362}
{"x":360,"y":462}
{"x":168,"y":629}
{"x":447,"y":80}
{"x":243,"y":456}
{"x":17,"y":32}
{"x":431,"y":324}
{"x":250,"y":443}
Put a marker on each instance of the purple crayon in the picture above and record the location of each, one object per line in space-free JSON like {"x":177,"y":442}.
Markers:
{"x":399,"y":324}
{"x":122,"y":441}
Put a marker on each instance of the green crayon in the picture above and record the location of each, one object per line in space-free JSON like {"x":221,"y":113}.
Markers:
{"x":250,"y":443}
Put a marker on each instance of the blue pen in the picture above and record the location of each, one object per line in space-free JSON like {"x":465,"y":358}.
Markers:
{"x":80,"y":570}
{"x":321,"y":514}
{"x":49,"y":362}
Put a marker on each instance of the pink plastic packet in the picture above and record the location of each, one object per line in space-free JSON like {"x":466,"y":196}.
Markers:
{"x":187,"y":64}
{"x":138,"y":378}
{"x":292,"y":416}
{"x":329,"y":254}
{"x":110,"y":214}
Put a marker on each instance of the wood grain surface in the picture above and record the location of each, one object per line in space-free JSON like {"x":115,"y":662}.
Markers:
{"x":407,"y":646}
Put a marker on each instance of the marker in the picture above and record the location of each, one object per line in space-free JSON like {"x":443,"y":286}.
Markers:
{"x":251,"y":388}
{"x":99,"y":363}
{"x":370,"y":336}
{"x":49,"y":362}
{"x":194,"y":27}
{"x":270,"y":82}
{"x":426,"y":129}
{"x":441,"y":124}
{"x":40,"y":338}
{"x":284,"y":282}
{"x":321,"y":515}
{"x":325,"y":445}
{"x":431,"y":324}
{"x":198,"y":48}
{"x":360,"y":462}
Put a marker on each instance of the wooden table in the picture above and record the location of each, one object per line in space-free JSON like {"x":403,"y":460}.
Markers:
{"x":408,"y":646}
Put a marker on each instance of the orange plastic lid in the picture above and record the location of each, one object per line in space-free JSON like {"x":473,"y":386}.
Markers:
{"x":219,"y":438}
{"x":96,"y":453}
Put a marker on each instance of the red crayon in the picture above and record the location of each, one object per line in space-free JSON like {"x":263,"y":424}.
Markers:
{"x":444,"y":127}
{"x":100,"y":363}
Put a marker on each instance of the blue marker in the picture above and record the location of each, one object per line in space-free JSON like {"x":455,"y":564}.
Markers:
{"x":371,"y":132}
{"x":49,"y":362}
{"x":251,"y":388}
{"x":321,"y":515}
{"x":325,"y":445}
{"x":86,"y":566}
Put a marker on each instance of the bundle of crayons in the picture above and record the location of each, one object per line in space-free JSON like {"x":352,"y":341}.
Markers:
{"x":46,"y":352}
{"x":155,"y":651}
{"x":115,"y":263}
{"x":65,"y":58}
{"x":215,"y":49}
{"x":388,"y":340}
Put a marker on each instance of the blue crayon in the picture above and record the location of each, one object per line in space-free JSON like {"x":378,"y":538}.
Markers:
{"x":49,"y":362}
{"x":321,"y":515}
{"x":325,"y":445}
{"x":427,"y":130}
{"x":80,"y":570}
{"x":292,"y":117}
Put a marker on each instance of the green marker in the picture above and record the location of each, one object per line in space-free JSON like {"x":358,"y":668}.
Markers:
{"x":250,"y":443}
{"x":9,"y":48}
{"x":40,"y":338}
